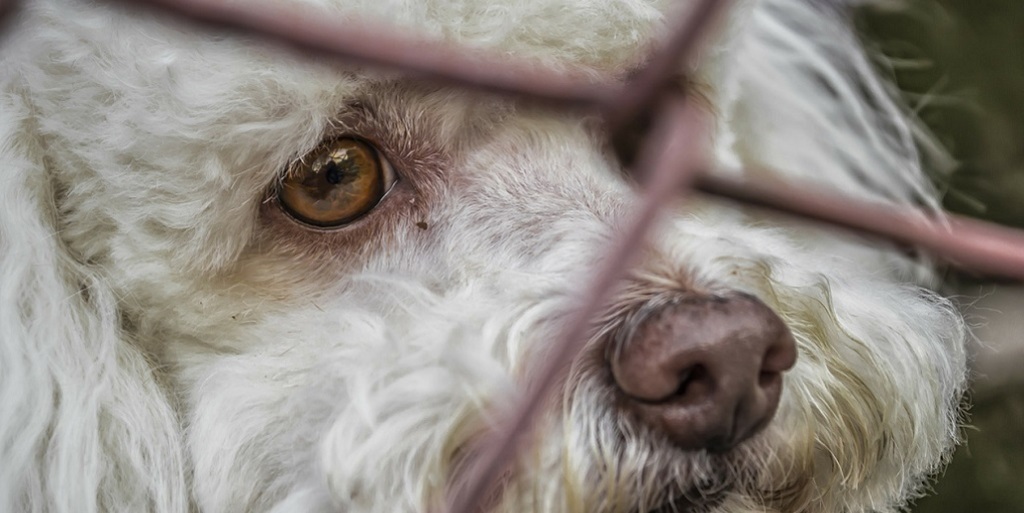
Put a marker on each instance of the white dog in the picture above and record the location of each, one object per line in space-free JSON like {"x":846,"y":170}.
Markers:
{"x":237,"y":280}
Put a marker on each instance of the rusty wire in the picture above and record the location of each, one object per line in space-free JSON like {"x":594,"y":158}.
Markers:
{"x":670,"y":159}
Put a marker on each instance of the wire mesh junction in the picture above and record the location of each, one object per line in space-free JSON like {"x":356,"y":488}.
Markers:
{"x":668,"y":158}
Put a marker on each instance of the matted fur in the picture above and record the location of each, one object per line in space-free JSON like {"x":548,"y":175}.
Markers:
{"x":171,"y":341}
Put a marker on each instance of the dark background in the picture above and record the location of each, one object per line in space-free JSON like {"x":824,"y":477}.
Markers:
{"x":960,"y":65}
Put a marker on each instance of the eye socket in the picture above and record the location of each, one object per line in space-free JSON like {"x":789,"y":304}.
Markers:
{"x":335,"y":184}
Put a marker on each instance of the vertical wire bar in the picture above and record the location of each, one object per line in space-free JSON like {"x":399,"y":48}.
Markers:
{"x":7,"y":10}
{"x":644,"y":91}
{"x":674,"y":154}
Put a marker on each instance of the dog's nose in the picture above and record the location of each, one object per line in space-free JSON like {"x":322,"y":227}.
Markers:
{"x":705,"y":371}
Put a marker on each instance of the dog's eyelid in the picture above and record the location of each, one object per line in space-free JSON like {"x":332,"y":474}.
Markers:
{"x":391,"y":176}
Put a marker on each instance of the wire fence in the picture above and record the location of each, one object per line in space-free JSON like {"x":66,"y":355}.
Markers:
{"x":666,"y":155}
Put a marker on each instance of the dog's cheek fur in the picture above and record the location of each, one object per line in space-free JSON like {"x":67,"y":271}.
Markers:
{"x":851,"y":434}
{"x":157,"y":186}
{"x":453,"y":315}
{"x":85,"y":425}
{"x":338,"y":417}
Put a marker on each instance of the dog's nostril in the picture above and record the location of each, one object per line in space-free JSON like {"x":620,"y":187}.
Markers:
{"x":706,"y":371}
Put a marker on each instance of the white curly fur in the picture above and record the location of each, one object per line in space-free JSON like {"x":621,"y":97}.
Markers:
{"x":170,"y":341}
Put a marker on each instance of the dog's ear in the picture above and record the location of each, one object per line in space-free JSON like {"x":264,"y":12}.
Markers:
{"x":84,"y":426}
{"x":803,"y":99}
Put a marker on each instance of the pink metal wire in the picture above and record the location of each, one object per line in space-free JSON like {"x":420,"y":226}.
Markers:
{"x":971,"y":245}
{"x":670,"y":160}
{"x":968,"y":244}
{"x":369,"y":43}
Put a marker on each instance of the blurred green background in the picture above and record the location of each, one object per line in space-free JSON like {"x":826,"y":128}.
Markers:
{"x":960,"y":65}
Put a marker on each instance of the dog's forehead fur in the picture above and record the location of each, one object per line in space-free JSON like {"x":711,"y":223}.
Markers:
{"x":263,"y":365}
{"x":256,"y":109}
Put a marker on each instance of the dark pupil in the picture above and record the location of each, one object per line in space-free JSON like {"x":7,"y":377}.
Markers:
{"x":336,"y":172}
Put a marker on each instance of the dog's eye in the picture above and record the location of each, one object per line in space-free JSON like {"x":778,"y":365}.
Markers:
{"x":335,"y":184}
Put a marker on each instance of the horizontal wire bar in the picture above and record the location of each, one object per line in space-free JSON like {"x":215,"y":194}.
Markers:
{"x":380,"y":45}
{"x":965,"y":243}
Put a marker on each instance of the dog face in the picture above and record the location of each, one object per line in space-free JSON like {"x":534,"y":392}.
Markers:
{"x":244,"y":280}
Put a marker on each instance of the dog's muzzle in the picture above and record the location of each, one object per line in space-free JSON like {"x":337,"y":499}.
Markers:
{"x":705,"y":371}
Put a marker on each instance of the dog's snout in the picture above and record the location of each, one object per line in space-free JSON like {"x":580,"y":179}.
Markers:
{"x":705,"y":371}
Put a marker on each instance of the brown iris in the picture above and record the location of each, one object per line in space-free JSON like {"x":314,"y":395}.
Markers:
{"x":334,"y":184}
